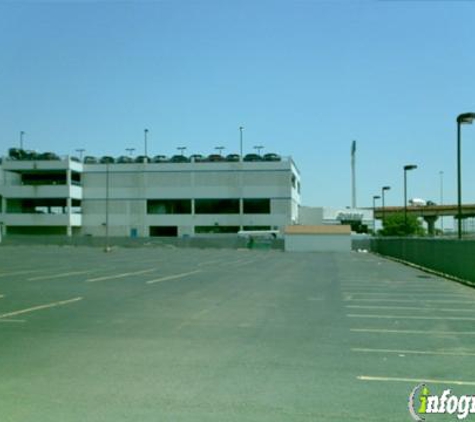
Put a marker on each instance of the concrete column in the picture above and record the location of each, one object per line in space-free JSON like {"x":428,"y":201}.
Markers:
{"x":430,"y":220}
{"x":69,"y":230}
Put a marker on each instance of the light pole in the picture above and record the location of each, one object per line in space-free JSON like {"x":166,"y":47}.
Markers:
{"x":130,"y":151}
{"x":145,"y":132}
{"x":407,"y":168}
{"x":374,"y":213}
{"x":258,"y":149}
{"x":441,"y":175}
{"x":182,"y":150}
{"x":240,"y":141}
{"x":384,"y":189}
{"x":22,"y":134}
{"x":81,"y":152}
{"x":219,"y":149}
{"x":466,"y":118}
{"x":107,"y":248}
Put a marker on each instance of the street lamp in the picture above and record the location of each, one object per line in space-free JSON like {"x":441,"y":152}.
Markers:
{"x":466,"y":118}
{"x":384,"y":189}
{"x":441,"y":174}
{"x":145,"y":132}
{"x":240,"y":140}
{"x":81,"y":152}
{"x":374,"y":215}
{"x":130,"y":151}
{"x":22,"y":134}
{"x":407,"y":168}
{"x":258,"y":149}
{"x":220,"y":150}
{"x":182,"y":150}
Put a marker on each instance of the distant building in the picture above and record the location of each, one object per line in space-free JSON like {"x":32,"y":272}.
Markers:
{"x":141,"y":199}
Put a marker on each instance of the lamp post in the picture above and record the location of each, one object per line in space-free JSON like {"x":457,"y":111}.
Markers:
{"x":466,"y":118}
{"x":22,"y":134}
{"x":407,"y":168}
{"x":130,"y":151}
{"x":145,"y":133}
{"x":374,"y":214}
{"x":182,"y":150}
{"x":107,"y":247}
{"x":384,"y":189}
{"x":81,"y":152}
{"x":258,"y":148}
{"x":441,"y":175}
{"x":220,"y":150}
{"x":240,"y":141}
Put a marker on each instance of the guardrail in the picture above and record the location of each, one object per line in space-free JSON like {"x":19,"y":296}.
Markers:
{"x":449,"y":257}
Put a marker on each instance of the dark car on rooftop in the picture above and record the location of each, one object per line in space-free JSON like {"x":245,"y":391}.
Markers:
{"x":197,"y":158}
{"x":106,"y":159}
{"x":252,"y":157}
{"x":123,"y":159}
{"x":271,"y":157}
{"x":215,"y":158}
{"x":142,"y":159}
{"x":233,"y":157}
{"x":160,"y":159}
{"x":179,"y":159}
{"x":90,"y":160}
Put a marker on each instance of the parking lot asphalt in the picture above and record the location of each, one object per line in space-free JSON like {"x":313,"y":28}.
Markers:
{"x":157,"y":334}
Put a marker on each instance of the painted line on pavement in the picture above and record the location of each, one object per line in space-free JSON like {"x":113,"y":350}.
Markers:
{"x":428,"y":293}
{"x":48,"y":277}
{"x":411,"y":352}
{"x":409,"y":308}
{"x":414,"y":380}
{"x":115,"y":276}
{"x":13,"y":320}
{"x":410,"y":300}
{"x":21,"y":272}
{"x":445,"y":318}
{"x":172,"y":277}
{"x":40,"y":307}
{"x":387,"y":331}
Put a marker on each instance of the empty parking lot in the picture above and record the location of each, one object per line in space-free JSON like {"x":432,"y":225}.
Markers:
{"x":159,"y":334}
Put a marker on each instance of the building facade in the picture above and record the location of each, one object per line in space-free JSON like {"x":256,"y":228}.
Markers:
{"x":67,"y":197}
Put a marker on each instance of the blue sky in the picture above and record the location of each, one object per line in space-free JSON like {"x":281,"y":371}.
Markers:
{"x":304,"y":78}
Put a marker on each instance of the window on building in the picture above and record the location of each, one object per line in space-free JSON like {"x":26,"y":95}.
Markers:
{"x":216,"y":229}
{"x":217,"y":206}
{"x":37,"y":206}
{"x":256,"y":206}
{"x":169,"y":206}
{"x":76,"y":178}
{"x":256,"y":228}
{"x":293,"y":180}
{"x":44,"y":178}
{"x":163,"y":231}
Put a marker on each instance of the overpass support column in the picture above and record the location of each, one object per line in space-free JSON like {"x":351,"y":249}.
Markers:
{"x":430,"y":220}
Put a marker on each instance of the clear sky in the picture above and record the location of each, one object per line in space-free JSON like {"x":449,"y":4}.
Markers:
{"x":304,"y":78}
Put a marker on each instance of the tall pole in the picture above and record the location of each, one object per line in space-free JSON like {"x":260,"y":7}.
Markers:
{"x":441,"y":174}
{"x":459,"y":181}
{"x":106,"y":249}
{"x":374,"y":213}
{"x":406,"y":168}
{"x":353,"y":175}
{"x":145,"y":142}
{"x":22,"y":134}
{"x":240,"y":141}
{"x":81,"y":152}
{"x":384,"y":189}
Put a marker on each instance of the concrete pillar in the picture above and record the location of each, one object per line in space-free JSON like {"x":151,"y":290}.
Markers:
{"x":430,"y":220}
{"x":69,"y":230}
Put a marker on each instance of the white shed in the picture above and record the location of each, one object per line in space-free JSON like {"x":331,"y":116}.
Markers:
{"x":329,"y":238}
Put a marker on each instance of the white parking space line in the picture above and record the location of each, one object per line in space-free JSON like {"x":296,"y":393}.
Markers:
{"x":412,"y":352}
{"x":48,"y":277}
{"x":172,"y":277}
{"x":415,"y":294}
{"x":414,"y":380}
{"x":115,"y":276}
{"x":429,"y":332}
{"x":40,"y":307}
{"x":445,"y":318}
{"x":471,"y":302}
{"x":13,"y":320}
{"x":410,"y":308}
{"x":213,"y":261}
{"x":21,"y":272}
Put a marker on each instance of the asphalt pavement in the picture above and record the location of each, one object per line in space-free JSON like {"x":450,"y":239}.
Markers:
{"x":195,"y":335}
